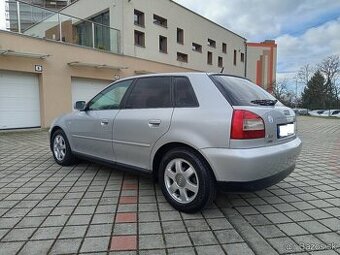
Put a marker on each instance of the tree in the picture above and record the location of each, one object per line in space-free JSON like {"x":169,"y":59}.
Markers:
{"x":330,"y":68}
{"x":314,"y":95}
{"x":305,"y":73}
{"x":282,"y":93}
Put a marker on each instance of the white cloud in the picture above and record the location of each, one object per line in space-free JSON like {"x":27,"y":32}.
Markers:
{"x":308,"y":48}
{"x":286,"y":21}
{"x":258,"y":19}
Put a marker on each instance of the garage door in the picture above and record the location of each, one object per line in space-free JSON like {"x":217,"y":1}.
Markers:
{"x":19,"y":100}
{"x":85,"y":89}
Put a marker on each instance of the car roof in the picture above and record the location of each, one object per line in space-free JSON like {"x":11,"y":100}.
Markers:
{"x":188,"y":74}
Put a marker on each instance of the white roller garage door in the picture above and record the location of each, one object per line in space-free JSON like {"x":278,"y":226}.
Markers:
{"x":19,"y":100}
{"x":85,"y":89}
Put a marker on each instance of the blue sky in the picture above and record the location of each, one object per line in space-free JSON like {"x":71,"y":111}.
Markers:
{"x":306,"y":31}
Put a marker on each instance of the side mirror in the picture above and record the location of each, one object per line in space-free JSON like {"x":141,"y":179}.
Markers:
{"x":80,"y":105}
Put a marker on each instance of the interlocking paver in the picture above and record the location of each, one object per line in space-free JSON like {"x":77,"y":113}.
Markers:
{"x":257,"y":219}
{"x":150,"y":228}
{"x":95,"y":244}
{"x":177,"y":240}
{"x":36,"y":247}
{"x":19,"y":234}
{"x":292,"y":229}
{"x":153,"y":252}
{"x":269,"y":231}
{"x":73,"y":232}
{"x":10,"y":248}
{"x":238,"y":249}
{"x":99,"y":230}
{"x":228,"y":236}
{"x":126,"y":217}
{"x":76,"y":220}
{"x":46,"y":233}
{"x":210,"y":249}
{"x":219,"y":224}
{"x":55,"y":221}
{"x":277,"y":218}
{"x":181,"y":251}
{"x":314,"y":227}
{"x":203,"y":238}
{"x":285,"y":245}
{"x":151,"y":242}
{"x":125,"y":229}
{"x":196,"y":225}
{"x":48,"y":208}
{"x":298,"y":216}
{"x":173,"y":226}
{"x":62,"y":246}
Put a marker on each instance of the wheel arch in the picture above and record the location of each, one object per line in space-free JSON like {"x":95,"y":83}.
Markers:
{"x":53,"y":130}
{"x":172,"y":145}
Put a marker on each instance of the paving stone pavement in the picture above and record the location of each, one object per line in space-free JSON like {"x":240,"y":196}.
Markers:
{"x":92,"y":209}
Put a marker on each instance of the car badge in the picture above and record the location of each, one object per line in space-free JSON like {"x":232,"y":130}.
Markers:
{"x":270,"y":119}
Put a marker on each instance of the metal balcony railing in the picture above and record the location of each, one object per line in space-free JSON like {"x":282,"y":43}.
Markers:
{"x":42,"y":23}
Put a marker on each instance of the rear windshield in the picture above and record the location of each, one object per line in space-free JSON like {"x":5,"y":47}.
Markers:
{"x":239,"y":91}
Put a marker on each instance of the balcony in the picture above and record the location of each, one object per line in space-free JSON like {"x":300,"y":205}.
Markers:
{"x":42,"y":23}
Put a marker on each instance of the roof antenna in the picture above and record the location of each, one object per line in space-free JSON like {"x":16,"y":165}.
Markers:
{"x":222,"y":70}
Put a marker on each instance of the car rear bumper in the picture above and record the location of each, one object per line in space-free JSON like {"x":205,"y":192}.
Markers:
{"x":255,"y":185}
{"x":268,"y":164}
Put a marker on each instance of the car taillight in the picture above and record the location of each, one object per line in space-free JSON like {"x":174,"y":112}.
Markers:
{"x":246,"y":125}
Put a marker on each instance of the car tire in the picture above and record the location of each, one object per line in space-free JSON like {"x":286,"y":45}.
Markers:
{"x":61,"y":149}
{"x":186,"y":180}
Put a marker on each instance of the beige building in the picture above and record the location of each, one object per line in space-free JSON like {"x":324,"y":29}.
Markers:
{"x":72,"y":55}
{"x":261,"y":63}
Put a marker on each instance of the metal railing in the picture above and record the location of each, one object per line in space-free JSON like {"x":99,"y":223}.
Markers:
{"x":42,"y":23}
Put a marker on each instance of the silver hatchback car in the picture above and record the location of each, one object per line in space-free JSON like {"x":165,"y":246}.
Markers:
{"x":195,"y":132}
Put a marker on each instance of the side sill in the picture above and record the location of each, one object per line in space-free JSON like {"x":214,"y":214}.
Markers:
{"x":115,"y":165}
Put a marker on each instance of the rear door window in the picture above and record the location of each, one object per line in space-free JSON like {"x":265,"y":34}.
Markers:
{"x":242,"y":92}
{"x":150,"y":92}
{"x":184,"y":94}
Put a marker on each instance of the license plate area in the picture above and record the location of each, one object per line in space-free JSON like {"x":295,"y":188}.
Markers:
{"x":285,"y":130}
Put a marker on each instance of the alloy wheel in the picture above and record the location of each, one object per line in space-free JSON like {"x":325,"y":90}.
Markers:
{"x":181,"y":180}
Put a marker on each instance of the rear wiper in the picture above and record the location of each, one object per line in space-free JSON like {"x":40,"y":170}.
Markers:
{"x":264,"y":102}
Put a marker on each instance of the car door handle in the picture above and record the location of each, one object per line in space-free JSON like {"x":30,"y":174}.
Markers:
{"x":104,"y":122}
{"x":154,"y":123}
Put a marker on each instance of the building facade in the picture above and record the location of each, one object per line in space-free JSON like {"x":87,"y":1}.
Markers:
{"x":161,"y":31}
{"x":31,"y":13}
{"x":73,"y":54}
{"x":261,"y":63}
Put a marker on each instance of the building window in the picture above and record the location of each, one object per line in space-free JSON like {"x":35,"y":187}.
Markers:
{"x":163,"y":44}
{"x":139,"y":18}
{"x":197,"y":47}
{"x":211,"y":43}
{"x":209,"y":58}
{"x":139,"y":38}
{"x":242,"y":57}
{"x":180,"y":35}
{"x":220,"y":62}
{"x":235,"y":57}
{"x":182,"y":57}
{"x":224,"y":47}
{"x":101,"y":33}
{"x":160,"y":21}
